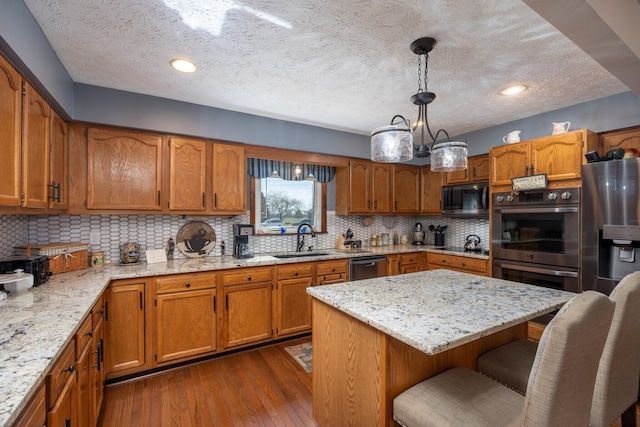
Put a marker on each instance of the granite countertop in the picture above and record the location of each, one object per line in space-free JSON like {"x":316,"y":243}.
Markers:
{"x":38,"y":323}
{"x":437,"y":310}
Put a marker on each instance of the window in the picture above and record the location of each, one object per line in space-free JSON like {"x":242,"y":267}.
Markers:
{"x":280,"y":206}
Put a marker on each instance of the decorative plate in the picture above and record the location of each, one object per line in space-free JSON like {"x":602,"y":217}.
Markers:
{"x":196,"y":239}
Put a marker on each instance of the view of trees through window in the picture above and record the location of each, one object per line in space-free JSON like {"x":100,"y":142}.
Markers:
{"x":286,"y":203}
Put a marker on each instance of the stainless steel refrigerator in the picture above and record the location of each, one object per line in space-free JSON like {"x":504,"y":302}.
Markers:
{"x":610,"y":229}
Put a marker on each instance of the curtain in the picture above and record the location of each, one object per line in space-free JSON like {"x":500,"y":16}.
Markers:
{"x":263,"y":168}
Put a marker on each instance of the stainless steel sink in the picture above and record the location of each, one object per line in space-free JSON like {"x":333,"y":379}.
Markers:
{"x":299,"y":254}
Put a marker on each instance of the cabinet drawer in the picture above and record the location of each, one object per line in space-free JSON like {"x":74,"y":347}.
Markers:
{"x":247,"y":275}
{"x":60,"y":372}
{"x":83,"y":336}
{"x":293,"y":271}
{"x":331,"y":279}
{"x":332,"y":267}
{"x":458,"y":262}
{"x":185,"y":282}
{"x":412,"y":258}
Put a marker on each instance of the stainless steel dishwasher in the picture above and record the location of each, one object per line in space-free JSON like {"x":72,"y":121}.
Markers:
{"x":367,"y":267}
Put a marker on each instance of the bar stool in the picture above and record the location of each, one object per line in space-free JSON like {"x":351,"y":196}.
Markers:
{"x":616,"y":388}
{"x":560,"y":386}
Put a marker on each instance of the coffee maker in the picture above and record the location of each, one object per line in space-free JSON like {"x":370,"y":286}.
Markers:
{"x":241,"y":233}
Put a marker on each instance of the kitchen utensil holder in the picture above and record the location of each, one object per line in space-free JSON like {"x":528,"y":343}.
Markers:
{"x":439,"y":239}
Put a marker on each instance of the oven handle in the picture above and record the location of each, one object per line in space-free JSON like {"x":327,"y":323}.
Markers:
{"x":538,"y":210}
{"x":540,"y":270}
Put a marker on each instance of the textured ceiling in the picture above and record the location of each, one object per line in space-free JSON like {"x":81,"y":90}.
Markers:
{"x":340,"y":64}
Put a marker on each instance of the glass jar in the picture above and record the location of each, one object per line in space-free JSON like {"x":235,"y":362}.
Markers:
{"x":385,"y":239}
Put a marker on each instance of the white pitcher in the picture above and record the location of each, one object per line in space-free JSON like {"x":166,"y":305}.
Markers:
{"x":562,"y":127}
{"x":511,"y":137}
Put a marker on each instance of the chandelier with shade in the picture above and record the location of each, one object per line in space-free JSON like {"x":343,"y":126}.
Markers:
{"x":399,"y":141}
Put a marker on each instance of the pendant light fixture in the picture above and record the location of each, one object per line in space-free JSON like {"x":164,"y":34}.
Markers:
{"x":398,"y":141}
{"x":446,"y":156}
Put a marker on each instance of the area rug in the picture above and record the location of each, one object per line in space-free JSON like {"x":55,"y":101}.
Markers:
{"x":302,"y":354}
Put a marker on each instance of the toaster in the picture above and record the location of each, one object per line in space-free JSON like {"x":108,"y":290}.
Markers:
{"x":36,"y":265}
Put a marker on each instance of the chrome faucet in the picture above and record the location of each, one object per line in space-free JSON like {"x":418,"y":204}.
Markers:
{"x":300,"y":236}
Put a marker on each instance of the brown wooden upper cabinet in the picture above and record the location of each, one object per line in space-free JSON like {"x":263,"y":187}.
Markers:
{"x":406,"y":189}
{"x":430,"y":191}
{"x":626,"y":138}
{"x":229,"y":179}
{"x":478,"y":170}
{"x":366,"y":187}
{"x":36,"y":129}
{"x":58,"y":162}
{"x":559,"y":156}
{"x":10,"y":134}
{"x":124,"y":170}
{"x":187,"y":174}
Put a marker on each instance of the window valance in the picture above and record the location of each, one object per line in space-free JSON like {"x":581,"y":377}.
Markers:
{"x":290,"y":171}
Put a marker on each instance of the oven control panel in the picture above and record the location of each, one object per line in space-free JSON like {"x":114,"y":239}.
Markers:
{"x":549,"y":196}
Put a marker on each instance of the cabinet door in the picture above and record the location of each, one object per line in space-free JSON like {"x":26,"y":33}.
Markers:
{"x":10,"y":134}
{"x":83,"y":388}
{"x":294,"y":305}
{"x":629,"y":138}
{"x":393,"y":264}
{"x":124,"y":327}
{"x":187,"y":174}
{"x":430,"y":191}
{"x":36,"y":128}
{"x":58,"y":164}
{"x":35,"y":414}
{"x":229,"y":178}
{"x":509,"y":161}
{"x":247,"y":314}
{"x":559,"y":156}
{"x":123,"y":170}
{"x":406,"y":189}
{"x":360,"y":186}
{"x":458,"y":177}
{"x":96,"y":357}
{"x":480,"y":168}
{"x":382,"y":188}
{"x":63,"y":412}
{"x":185,"y":324}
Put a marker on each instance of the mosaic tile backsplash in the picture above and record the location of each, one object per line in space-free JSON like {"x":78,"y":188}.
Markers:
{"x":153,"y":231}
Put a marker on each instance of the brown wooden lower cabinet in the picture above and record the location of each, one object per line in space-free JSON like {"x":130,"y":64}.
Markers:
{"x":35,"y":414}
{"x":61,"y":390}
{"x":125,"y":308}
{"x":458,"y":263}
{"x":294,"y":305}
{"x":404,"y":263}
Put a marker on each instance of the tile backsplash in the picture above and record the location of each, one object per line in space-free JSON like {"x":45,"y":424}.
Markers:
{"x":153,"y":231}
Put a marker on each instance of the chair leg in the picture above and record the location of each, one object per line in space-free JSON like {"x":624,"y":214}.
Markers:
{"x":628,"y":418}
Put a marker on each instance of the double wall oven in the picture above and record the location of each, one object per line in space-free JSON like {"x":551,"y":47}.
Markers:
{"x":536,"y":237}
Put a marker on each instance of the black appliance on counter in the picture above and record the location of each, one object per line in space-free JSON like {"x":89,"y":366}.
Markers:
{"x":241,"y":233}
{"x":36,"y":265}
{"x":466,"y":201}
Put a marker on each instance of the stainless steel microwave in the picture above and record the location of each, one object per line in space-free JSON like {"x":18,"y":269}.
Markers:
{"x":466,"y":201}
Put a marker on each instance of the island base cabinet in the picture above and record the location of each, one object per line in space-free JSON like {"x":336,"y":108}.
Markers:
{"x":359,"y":370}
{"x":35,"y":414}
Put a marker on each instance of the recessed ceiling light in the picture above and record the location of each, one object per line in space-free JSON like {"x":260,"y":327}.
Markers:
{"x":514,"y":90}
{"x":183,"y":65}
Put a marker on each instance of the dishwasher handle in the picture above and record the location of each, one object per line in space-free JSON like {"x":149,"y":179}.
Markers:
{"x":368,"y":261}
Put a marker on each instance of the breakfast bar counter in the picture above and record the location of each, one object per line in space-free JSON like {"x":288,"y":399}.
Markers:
{"x":373,"y":339}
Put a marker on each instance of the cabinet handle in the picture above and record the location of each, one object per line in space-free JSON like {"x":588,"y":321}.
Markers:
{"x":526,"y":170}
{"x":67,"y":422}
{"x":226,"y":302}
{"x":187,"y":285}
{"x":203,"y":200}
{"x":248,"y":277}
{"x":106,"y":311}
{"x":368,"y":204}
{"x":89,"y":334}
{"x":395,"y":204}
{"x":444,"y":260}
{"x":215,"y":200}
{"x":69,"y":369}
{"x":375,"y":204}
{"x":464,"y":264}
{"x":333,"y":270}
{"x":215,"y":309}
{"x":295,"y":274}
{"x":465,"y":173}
{"x":158,"y":197}
{"x":533,"y":170}
{"x":140,"y":300}
{"x":474,"y":171}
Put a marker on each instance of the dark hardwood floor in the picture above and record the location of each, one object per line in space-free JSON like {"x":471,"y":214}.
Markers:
{"x":260,"y":387}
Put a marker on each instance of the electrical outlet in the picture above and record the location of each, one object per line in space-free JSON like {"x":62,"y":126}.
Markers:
{"x":94,"y":238}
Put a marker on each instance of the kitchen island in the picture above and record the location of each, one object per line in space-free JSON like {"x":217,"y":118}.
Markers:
{"x":375,"y":338}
